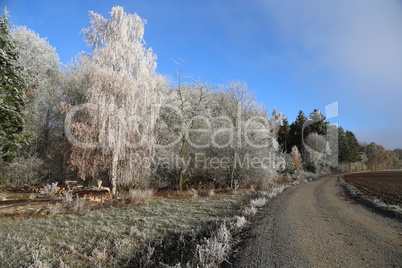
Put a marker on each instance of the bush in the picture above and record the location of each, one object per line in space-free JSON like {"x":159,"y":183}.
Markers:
{"x":215,"y":249}
{"x":289,"y":166}
{"x":139,"y":196}
{"x":24,"y":170}
{"x":310,"y":167}
{"x":51,"y":190}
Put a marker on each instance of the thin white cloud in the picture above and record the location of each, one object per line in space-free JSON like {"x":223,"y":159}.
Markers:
{"x":360,"y":42}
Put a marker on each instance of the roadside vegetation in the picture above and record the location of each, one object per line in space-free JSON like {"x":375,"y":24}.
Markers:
{"x":180,"y":229}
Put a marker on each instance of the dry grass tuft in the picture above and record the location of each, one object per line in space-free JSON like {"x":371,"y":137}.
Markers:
{"x":211,"y":193}
{"x":249,"y":211}
{"x":215,"y":249}
{"x":50,"y":191}
{"x":139,"y":196}
{"x":194,"y":193}
{"x":259,"y":202}
{"x":239,"y":222}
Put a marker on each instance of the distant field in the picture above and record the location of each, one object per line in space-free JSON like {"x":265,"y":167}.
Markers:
{"x":385,"y":185}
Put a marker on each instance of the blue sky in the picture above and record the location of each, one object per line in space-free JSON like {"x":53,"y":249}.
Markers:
{"x":296,"y":55}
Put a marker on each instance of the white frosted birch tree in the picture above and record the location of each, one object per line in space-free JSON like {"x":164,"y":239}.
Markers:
{"x":124,"y":92}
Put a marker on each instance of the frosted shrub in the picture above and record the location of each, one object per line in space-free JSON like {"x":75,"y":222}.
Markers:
{"x":215,"y":249}
{"x":67,"y":199}
{"x":249,"y":211}
{"x":138,"y":196}
{"x":24,"y":170}
{"x":37,"y":258}
{"x":54,"y":209}
{"x":50,"y":190}
{"x":211,"y":193}
{"x":123,"y":247}
{"x":259,"y":202}
{"x":223,"y":234}
{"x":274,"y":191}
{"x":79,"y":206}
{"x":239,"y":222}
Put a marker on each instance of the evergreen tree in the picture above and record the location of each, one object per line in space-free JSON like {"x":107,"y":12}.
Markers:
{"x":284,"y":136}
{"x":353,"y":147}
{"x":296,"y":129}
{"x":12,"y":95}
{"x":318,"y":124}
{"x":343,"y":155}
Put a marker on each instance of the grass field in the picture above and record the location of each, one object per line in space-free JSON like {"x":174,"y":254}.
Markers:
{"x":165,"y":229}
{"x":130,"y":235}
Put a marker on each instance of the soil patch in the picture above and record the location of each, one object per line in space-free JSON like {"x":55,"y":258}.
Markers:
{"x":384,"y":185}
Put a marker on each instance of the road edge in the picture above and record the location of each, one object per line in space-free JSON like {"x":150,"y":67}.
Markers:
{"x":374,"y":204}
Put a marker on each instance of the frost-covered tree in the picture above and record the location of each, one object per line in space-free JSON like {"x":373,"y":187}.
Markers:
{"x":296,"y":157}
{"x":217,"y":137}
{"x":42,"y":68}
{"x":316,"y":142}
{"x":185,"y":112}
{"x":12,"y":95}
{"x":245,"y":132}
{"x":38,"y":57}
{"x":115,"y":130}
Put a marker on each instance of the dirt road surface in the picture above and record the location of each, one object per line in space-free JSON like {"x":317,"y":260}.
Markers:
{"x":315,"y":225}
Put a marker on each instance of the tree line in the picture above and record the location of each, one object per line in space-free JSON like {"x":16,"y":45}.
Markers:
{"x":108,"y":115}
{"x":314,"y":132}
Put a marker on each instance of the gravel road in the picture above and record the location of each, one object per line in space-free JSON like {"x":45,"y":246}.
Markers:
{"x":315,"y":225}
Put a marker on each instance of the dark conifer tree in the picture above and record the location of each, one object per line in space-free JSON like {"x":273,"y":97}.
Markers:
{"x":343,"y":149}
{"x":354,"y":153}
{"x":284,"y":136}
{"x":296,"y":130}
{"x":12,"y":95}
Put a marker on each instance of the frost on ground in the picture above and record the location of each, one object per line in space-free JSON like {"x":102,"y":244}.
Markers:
{"x":134,"y":235}
{"x":195,"y":231}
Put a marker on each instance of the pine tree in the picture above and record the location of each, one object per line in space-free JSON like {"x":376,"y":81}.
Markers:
{"x":318,"y":124}
{"x":284,"y":136}
{"x":12,"y":95}
{"x":353,"y":147}
{"x":296,"y":129}
{"x":343,"y":156}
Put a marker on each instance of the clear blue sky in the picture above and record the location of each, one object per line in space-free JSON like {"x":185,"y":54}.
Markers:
{"x":296,"y":55}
